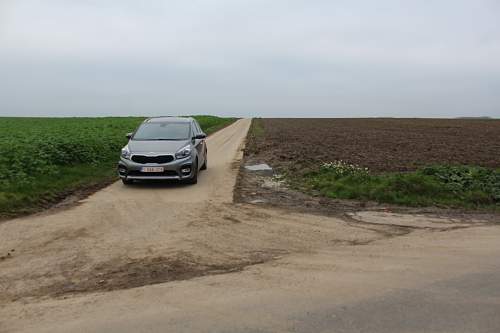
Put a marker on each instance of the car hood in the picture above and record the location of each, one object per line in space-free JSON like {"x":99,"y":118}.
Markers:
{"x":153,"y":147}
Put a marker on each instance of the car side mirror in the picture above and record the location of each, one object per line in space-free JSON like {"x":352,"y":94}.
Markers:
{"x":200,"y":136}
{"x":129,"y":135}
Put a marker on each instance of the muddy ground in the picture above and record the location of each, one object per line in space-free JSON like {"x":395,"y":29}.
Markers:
{"x":378,"y":144}
{"x":295,"y":146}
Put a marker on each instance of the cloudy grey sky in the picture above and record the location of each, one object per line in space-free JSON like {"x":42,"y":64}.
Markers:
{"x":327,"y":58}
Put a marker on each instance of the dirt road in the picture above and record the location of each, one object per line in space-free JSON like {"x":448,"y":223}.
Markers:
{"x":173,"y":258}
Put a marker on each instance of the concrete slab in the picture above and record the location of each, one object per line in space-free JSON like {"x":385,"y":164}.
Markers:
{"x":262,"y":169}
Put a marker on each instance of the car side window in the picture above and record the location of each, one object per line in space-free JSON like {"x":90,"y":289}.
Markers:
{"x":198,"y":127}
{"x":195,"y":129}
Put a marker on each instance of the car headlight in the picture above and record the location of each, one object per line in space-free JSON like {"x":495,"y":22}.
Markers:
{"x":183,"y":152}
{"x":126,"y":153}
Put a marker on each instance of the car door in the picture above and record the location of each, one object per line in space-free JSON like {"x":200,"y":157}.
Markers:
{"x":199,"y":144}
{"x":204,"y":142}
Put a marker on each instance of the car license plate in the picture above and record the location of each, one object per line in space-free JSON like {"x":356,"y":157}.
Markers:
{"x":152,"y":169}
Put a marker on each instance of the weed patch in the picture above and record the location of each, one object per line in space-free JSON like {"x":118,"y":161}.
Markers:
{"x":450,"y":186}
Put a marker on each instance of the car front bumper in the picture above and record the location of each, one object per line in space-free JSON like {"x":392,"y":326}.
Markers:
{"x":176,"y":169}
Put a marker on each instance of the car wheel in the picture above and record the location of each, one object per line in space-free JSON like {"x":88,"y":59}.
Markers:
{"x":204,"y":166}
{"x":127,"y":181}
{"x":194,"y":178}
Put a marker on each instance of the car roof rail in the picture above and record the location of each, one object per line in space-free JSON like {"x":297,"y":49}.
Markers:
{"x":156,"y":117}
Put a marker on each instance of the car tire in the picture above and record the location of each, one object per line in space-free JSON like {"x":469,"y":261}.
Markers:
{"x":204,"y":166}
{"x":194,"y":179}
{"x":127,"y":181}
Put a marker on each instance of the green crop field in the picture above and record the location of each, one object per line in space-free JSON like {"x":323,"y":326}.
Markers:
{"x":44,"y":159}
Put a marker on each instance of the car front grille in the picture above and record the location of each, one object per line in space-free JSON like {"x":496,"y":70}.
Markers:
{"x":160,"y":159}
{"x":169,"y":173}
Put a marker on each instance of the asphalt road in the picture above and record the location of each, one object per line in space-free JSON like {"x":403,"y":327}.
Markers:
{"x":468,"y":303}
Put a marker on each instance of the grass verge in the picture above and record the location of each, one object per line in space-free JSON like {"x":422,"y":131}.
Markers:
{"x":51,"y":158}
{"x":443,"y":185}
{"x":47,"y":190}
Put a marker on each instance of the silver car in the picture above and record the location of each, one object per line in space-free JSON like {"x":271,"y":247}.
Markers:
{"x":164,"y":148}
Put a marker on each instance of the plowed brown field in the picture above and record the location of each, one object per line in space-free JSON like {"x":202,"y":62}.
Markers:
{"x":379,"y":144}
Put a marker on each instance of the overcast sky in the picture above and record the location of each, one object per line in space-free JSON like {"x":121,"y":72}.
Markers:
{"x":282,"y":58}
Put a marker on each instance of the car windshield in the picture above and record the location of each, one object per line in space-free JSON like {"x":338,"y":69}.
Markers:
{"x":162,"y":131}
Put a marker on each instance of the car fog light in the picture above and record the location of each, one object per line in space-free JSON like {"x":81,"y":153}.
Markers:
{"x":186,"y":170}
{"x":122,"y":170}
